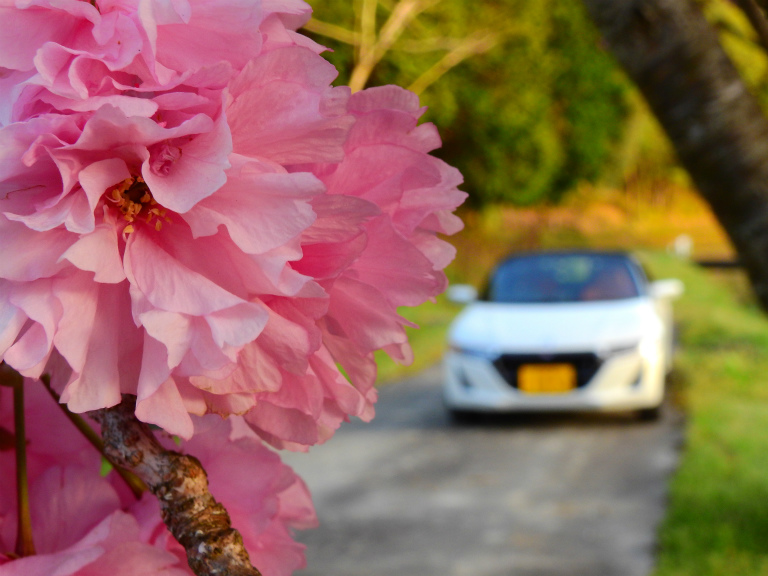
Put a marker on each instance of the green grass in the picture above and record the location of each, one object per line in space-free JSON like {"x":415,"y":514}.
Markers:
{"x":717,"y":520}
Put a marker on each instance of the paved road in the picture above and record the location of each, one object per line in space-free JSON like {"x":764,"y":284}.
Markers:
{"x":413,"y":494}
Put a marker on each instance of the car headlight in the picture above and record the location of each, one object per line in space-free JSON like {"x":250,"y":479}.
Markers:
{"x":619,"y":350}
{"x":476,"y":352}
{"x":650,"y":346}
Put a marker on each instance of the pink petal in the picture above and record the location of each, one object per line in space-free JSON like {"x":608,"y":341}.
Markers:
{"x":67,"y":503}
{"x":78,"y":296}
{"x":28,"y":255}
{"x":166,"y":409}
{"x":197,"y":173}
{"x":168,"y":284}
{"x":283,"y":427}
{"x":361,"y":313}
{"x":98,"y":252}
{"x":285,"y":110}
{"x":98,"y":385}
{"x":174,"y":330}
{"x":31,"y":350}
{"x":25,"y":31}
{"x":397,"y":268}
{"x":154,"y":369}
{"x":209,"y":34}
{"x":260,"y":211}
{"x":12,"y":319}
{"x":66,"y":563}
{"x":386,"y":98}
{"x":98,"y":177}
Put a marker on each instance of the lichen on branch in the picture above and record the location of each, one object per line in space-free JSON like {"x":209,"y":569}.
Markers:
{"x":200,"y":524}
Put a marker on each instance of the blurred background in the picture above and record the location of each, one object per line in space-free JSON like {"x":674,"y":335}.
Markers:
{"x":555,"y":144}
{"x":558,"y":150}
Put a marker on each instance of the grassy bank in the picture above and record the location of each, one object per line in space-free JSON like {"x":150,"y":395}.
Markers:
{"x":717,"y":521}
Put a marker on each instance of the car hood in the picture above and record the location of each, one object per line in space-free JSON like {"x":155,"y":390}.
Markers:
{"x":561,"y":327}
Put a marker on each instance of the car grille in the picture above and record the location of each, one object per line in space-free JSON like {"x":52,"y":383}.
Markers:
{"x":586,"y":364}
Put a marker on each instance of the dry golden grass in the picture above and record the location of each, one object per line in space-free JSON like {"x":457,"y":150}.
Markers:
{"x":638,"y":218}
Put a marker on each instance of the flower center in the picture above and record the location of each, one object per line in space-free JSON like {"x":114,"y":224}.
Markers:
{"x":134,"y":200}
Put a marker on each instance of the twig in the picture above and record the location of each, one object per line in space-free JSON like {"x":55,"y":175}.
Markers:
{"x":372,"y":50}
{"x":478,"y":43}
{"x":25,"y":545}
{"x":134,"y":482}
{"x":332,"y":31}
{"x":200,"y":524}
{"x":757,"y":19}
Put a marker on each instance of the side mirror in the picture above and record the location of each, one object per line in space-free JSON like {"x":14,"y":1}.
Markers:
{"x":461,"y":293}
{"x":666,"y":289}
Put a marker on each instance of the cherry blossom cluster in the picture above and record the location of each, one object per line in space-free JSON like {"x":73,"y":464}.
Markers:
{"x":192,"y":214}
{"x":88,"y":524}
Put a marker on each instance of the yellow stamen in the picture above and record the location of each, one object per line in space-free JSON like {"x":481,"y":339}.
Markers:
{"x":132,"y":197}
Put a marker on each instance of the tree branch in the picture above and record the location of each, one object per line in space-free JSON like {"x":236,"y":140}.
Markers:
{"x":332,"y":31}
{"x":371,"y":52}
{"x":25,"y":545}
{"x":134,"y":482}
{"x":757,"y":19}
{"x":478,"y":43}
{"x":200,"y":524}
{"x":367,"y":28}
{"x":716,"y":125}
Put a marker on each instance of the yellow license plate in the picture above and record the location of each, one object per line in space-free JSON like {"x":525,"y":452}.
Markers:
{"x":546,"y":378}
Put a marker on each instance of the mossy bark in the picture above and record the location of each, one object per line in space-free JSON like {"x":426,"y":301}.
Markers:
{"x":193,"y":516}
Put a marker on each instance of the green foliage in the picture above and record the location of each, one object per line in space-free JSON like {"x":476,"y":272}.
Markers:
{"x":740,"y":42}
{"x":523,"y":121}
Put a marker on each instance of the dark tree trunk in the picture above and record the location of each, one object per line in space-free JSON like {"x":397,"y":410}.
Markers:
{"x":715,"y":124}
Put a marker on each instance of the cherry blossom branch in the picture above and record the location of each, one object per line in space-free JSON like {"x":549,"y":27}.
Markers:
{"x":134,"y":482}
{"x":757,"y":19}
{"x":25,"y":545}
{"x":199,"y":523}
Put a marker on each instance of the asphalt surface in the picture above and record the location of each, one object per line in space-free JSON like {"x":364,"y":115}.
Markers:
{"x":414,"y":493}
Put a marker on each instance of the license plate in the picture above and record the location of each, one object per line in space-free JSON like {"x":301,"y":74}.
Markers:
{"x":546,"y":378}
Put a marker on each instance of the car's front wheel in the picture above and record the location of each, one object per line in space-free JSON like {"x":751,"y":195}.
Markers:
{"x":464,"y":416}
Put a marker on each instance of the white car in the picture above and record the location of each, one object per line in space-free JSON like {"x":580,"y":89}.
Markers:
{"x":561,"y":331}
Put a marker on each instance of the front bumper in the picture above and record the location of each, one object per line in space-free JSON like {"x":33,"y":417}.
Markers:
{"x":630,"y":380}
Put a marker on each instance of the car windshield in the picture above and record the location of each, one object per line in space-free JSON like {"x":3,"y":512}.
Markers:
{"x":563,"y":278}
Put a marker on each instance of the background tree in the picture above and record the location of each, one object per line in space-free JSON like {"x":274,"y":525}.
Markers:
{"x":714,"y":121}
{"x":526,"y":108}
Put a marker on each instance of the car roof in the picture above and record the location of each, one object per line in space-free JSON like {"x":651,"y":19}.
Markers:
{"x":568,"y":252}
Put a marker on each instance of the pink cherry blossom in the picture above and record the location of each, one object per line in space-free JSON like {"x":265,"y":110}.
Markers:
{"x":76,"y":56}
{"x":191,"y":213}
{"x":85,"y":524}
{"x":373,"y":248}
{"x":212,"y":230}
{"x":78,"y":526}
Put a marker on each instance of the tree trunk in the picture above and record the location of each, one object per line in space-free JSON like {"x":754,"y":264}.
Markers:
{"x":716,"y":126}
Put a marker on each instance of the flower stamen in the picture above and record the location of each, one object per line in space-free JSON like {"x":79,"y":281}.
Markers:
{"x":133,"y":198}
